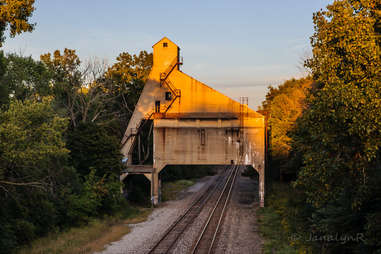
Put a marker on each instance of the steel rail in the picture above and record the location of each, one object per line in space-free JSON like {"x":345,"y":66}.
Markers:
{"x":222,"y":213}
{"x":199,"y":201}
{"x":196,"y":246}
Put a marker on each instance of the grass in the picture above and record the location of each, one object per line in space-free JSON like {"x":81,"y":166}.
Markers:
{"x":90,"y":238}
{"x":170,"y":190}
{"x":270,"y":228}
{"x":272,"y":225}
{"x":99,"y":232}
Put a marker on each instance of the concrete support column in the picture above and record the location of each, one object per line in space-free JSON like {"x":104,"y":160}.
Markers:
{"x":262,"y":188}
{"x":155,"y":187}
{"x":122,"y":177}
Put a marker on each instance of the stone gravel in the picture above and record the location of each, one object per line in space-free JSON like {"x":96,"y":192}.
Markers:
{"x":144,"y":235}
{"x":238,"y":233}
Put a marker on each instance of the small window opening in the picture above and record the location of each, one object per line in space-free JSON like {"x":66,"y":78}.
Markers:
{"x":157,"y":106}
{"x":165,"y":44}
{"x":168,"y":96}
{"x":202,"y":136}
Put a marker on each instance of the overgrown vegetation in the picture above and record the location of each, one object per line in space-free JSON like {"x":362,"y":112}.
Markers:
{"x":283,"y":105}
{"x":170,"y":190}
{"x":281,"y":221}
{"x":61,"y":122}
{"x":176,"y":178}
{"x":90,"y":238}
{"x":333,"y":146}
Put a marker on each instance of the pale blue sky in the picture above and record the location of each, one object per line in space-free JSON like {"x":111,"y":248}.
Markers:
{"x":238,"y":47}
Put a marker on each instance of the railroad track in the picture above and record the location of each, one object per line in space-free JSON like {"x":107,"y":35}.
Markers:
{"x":173,"y":233}
{"x":208,"y":235}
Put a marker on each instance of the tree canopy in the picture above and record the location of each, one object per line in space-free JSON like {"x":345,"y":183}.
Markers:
{"x":338,"y":136}
{"x":15,"y":14}
{"x":61,"y":120}
{"x":333,"y":141}
{"x":32,"y":147}
{"x":341,"y":128}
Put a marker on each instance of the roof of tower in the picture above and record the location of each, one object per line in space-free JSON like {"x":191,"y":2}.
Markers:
{"x":163,"y":39}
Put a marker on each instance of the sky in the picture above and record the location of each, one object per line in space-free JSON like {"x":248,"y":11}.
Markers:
{"x":238,"y":47}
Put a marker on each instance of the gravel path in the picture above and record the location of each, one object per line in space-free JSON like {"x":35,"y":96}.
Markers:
{"x":238,"y":233}
{"x":144,"y":235}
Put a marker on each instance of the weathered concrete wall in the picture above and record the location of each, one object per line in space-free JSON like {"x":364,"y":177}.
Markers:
{"x":151,"y":92}
{"x":209,"y":142}
{"x":221,"y":146}
{"x":178,"y":140}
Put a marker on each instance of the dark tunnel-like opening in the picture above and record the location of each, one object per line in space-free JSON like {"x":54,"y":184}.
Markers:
{"x":142,"y":152}
{"x":247,"y":186}
{"x":249,"y":171}
{"x":178,"y":172}
{"x":137,"y":189}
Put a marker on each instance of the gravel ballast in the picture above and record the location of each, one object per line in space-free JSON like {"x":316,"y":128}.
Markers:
{"x":146,"y":234}
{"x":238,"y":233}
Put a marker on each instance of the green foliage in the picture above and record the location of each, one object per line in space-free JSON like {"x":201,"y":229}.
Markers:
{"x":340,"y":132}
{"x":68,"y":84}
{"x":39,"y":192}
{"x":26,"y":77}
{"x":31,"y":144}
{"x":170,"y":190}
{"x":283,"y":105}
{"x":335,"y":142}
{"x":99,"y":195}
{"x":129,"y":68}
{"x":338,"y":137}
{"x":60,"y":127}
{"x":282,"y":222}
{"x":33,"y":163}
{"x":286,"y":106}
{"x":91,"y":147}
{"x":22,"y":78}
{"x":128,"y":76}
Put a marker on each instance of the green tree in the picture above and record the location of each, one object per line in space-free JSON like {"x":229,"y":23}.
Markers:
{"x":128,"y":76}
{"x":15,"y":14}
{"x":66,"y":80}
{"x":31,"y":145}
{"x":131,"y":67}
{"x":338,"y":137}
{"x":92,"y":148}
{"x":80,"y":90}
{"x":23,"y":78}
{"x":344,"y":116}
{"x":283,"y":105}
{"x":33,"y":171}
{"x":4,"y":91}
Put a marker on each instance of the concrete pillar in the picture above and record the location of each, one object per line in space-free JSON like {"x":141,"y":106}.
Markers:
{"x":261,"y":188}
{"x":121,"y":178}
{"x":155,"y":187}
